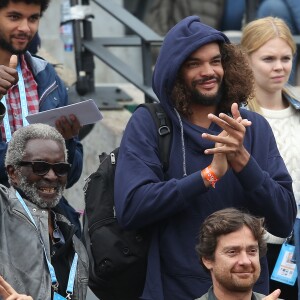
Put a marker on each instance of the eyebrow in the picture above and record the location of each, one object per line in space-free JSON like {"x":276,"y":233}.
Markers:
{"x":197,"y":59}
{"x":239,"y":247}
{"x":14,"y":12}
{"x":275,"y":55}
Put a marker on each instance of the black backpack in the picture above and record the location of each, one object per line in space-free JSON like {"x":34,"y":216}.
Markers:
{"x":118,"y":258}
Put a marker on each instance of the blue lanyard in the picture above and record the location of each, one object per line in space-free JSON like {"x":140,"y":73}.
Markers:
{"x":72,"y":274}
{"x":24,"y":107}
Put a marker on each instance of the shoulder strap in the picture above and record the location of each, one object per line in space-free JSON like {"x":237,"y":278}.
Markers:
{"x":164,"y":128}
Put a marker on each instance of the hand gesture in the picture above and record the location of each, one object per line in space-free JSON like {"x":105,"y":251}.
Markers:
{"x":8,"y":75}
{"x":68,"y":127}
{"x":8,"y":293}
{"x":230,"y":140}
{"x":273,"y":296}
{"x":219,"y":163}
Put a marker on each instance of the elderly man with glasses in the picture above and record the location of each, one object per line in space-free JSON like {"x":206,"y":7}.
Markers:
{"x":39,"y":253}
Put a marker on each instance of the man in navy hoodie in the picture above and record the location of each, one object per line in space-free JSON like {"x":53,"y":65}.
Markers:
{"x":221,"y":156}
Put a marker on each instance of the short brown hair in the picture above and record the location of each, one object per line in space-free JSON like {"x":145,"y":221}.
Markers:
{"x":226,"y":221}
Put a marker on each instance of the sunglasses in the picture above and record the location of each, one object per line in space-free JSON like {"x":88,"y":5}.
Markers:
{"x":41,"y":168}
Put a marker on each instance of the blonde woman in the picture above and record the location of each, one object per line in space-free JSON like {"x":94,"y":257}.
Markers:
{"x":270,"y":47}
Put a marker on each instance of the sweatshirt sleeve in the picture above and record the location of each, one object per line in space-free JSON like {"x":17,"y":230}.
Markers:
{"x":142,"y":196}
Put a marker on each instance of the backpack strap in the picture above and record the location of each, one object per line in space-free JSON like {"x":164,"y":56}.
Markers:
{"x":164,"y":128}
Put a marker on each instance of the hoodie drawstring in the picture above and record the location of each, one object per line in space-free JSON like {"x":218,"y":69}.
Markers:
{"x":182,"y":143}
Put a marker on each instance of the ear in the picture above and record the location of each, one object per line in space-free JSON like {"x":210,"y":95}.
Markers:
{"x":12,"y":174}
{"x":207,"y":263}
{"x":248,"y":59}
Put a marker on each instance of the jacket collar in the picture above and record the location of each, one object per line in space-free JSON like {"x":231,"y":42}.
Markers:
{"x":295,"y":103}
{"x":211,"y":295}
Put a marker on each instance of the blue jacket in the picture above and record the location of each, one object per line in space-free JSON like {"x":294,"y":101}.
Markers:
{"x":52,"y":93}
{"x":294,"y":10}
{"x":288,"y":10}
{"x":175,"y":208}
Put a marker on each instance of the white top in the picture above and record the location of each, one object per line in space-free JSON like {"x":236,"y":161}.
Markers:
{"x":285,"y":124}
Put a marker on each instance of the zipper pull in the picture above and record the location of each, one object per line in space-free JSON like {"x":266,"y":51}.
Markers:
{"x":112,"y":158}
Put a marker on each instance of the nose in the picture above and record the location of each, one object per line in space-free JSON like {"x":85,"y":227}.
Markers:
{"x":50,"y":175}
{"x":207,"y":70}
{"x":278,"y":65}
{"x":244,"y":258}
{"x":24,"y":26}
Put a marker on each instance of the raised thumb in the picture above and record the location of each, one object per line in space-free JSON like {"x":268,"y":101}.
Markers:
{"x":13,"y":62}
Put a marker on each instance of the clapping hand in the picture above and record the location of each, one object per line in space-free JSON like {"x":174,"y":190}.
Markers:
{"x":230,"y":140}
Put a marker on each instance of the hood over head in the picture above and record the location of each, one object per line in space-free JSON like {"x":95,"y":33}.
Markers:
{"x":180,"y":42}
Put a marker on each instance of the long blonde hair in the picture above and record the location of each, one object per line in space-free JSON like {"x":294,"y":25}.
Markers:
{"x":258,"y":32}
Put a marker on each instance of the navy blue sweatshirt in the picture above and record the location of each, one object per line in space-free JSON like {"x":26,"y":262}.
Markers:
{"x":175,"y":208}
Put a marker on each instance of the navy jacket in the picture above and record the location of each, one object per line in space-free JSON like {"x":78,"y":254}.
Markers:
{"x":175,"y":208}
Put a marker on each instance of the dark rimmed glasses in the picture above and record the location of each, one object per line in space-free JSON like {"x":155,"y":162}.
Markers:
{"x":41,"y":168}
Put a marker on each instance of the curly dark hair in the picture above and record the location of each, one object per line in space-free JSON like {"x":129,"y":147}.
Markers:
{"x":238,"y":82}
{"x":44,"y":3}
{"x":226,"y":221}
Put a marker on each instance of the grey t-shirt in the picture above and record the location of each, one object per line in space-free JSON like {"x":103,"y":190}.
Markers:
{"x":211,"y":296}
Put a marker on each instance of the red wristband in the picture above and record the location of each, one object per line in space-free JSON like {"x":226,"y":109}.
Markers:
{"x":210,"y":176}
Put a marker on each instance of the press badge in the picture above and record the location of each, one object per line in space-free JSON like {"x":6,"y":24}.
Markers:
{"x":57,"y":296}
{"x":285,"y":269}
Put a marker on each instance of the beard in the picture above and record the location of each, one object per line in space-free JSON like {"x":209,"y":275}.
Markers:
{"x":31,"y":192}
{"x":5,"y":45}
{"x":206,"y":100}
{"x":235,"y":284}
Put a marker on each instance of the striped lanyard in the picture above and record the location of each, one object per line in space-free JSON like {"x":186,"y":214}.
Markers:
{"x":24,"y":107}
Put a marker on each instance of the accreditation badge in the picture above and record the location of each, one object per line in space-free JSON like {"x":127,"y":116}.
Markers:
{"x":57,"y":296}
{"x":285,"y":269}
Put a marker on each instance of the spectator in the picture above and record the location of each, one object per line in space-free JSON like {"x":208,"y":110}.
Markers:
{"x":233,"y":15}
{"x":220,"y":14}
{"x":38,"y":89}
{"x":229,"y":247}
{"x":270,"y":47}
{"x":36,"y":240}
{"x":289,"y":11}
{"x":218,"y":159}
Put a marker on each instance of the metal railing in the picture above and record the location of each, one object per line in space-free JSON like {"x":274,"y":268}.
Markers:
{"x":86,"y":47}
